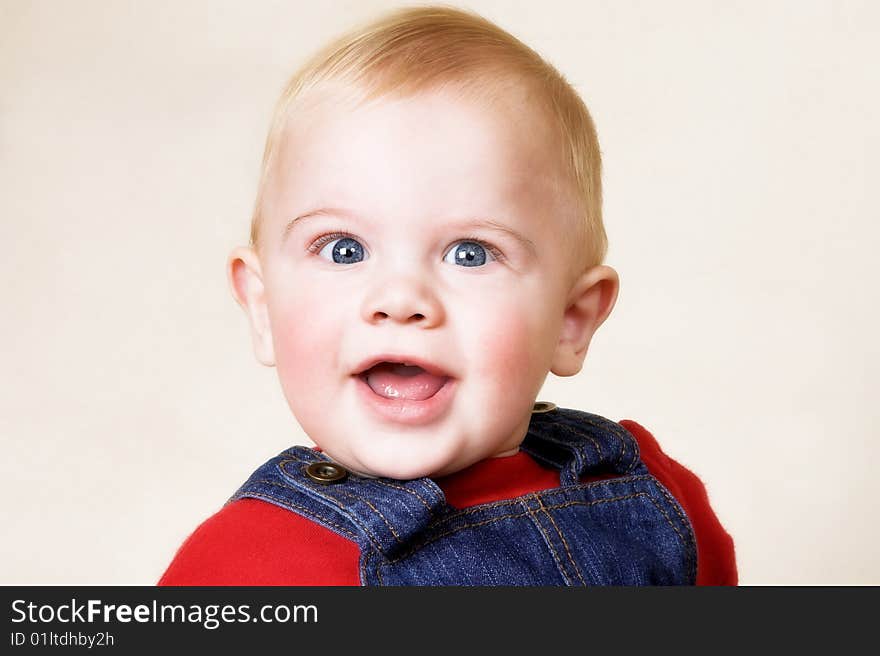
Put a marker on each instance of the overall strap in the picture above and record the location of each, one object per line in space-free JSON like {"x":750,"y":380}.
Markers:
{"x":377,"y":513}
{"x":580,"y":443}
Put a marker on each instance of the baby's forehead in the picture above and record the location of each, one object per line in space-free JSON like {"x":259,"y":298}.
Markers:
{"x":435,"y":133}
{"x":511,"y":105}
{"x":475,"y":137}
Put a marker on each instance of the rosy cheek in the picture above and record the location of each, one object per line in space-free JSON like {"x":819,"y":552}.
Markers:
{"x":509,"y":351}
{"x":302,"y":341}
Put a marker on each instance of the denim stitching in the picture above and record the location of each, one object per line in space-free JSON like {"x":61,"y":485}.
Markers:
{"x":692,"y":551}
{"x":303,"y":510}
{"x":374,"y":509}
{"x":577,"y":431}
{"x":673,"y":503}
{"x":373,"y":537}
{"x":311,"y":486}
{"x":627,"y":439}
{"x":378,"y":569}
{"x":548,"y":541}
{"x":573,"y":451}
{"x":293,"y":454}
{"x":370,"y":535}
{"x":364,"y":561}
{"x":380,"y":482}
{"x":416,"y":548}
{"x":613,"y":431}
{"x":523,"y":514}
{"x":582,"y":466}
{"x":616,"y":430}
{"x":351,"y":517}
{"x":561,"y":537}
{"x":379,"y":574}
{"x":631,"y":496}
{"x":612,"y":428}
{"x":450,"y":532}
{"x":568,"y":429}
{"x":620,"y":480}
{"x":564,"y":490}
{"x":406,"y":489}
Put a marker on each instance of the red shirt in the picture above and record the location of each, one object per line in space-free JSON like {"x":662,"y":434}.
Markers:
{"x":251,"y":542}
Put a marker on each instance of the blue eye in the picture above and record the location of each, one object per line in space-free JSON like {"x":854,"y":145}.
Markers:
{"x":343,"y":251}
{"x":469,"y":254}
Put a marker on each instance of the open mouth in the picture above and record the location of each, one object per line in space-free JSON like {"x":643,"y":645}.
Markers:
{"x":403,"y":380}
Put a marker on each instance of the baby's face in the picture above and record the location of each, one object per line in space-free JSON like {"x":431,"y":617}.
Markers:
{"x":424,"y":232}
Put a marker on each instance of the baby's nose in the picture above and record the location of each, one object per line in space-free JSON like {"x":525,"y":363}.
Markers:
{"x":405,"y":301}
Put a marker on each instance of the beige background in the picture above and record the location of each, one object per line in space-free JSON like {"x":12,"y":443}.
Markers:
{"x":739,"y":142}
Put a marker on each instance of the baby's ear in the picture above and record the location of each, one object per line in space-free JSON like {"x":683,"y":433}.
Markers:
{"x":589,"y":303}
{"x":246,"y":280}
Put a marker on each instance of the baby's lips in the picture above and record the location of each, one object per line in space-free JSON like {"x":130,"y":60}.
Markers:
{"x":427,"y":365}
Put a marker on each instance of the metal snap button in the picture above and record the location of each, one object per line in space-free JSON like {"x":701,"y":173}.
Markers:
{"x":543,"y":406}
{"x":325,"y":472}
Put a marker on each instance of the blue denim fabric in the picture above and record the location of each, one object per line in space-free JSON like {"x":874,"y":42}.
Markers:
{"x":625,"y":530}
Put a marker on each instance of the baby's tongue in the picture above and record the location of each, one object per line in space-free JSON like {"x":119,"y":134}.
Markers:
{"x":399,"y":381}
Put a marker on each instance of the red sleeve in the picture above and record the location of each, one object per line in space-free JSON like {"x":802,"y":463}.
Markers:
{"x":251,"y":542}
{"x":716,"y":557}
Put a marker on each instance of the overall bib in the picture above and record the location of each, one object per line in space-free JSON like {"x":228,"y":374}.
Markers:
{"x":624,"y":530}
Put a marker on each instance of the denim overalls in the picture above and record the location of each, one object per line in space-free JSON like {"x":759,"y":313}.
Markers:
{"x":625,"y":530}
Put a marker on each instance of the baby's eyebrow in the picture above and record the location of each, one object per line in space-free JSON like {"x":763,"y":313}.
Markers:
{"x":472,"y":223}
{"x":323,"y":211}
{"x":489,"y":224}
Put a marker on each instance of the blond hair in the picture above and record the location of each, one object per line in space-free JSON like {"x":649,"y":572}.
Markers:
{"x":417,"y":49}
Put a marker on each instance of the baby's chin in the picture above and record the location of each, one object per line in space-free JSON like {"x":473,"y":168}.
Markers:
{"x":393,"y":466}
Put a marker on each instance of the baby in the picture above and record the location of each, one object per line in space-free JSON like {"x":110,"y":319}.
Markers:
{"x":426,"y":246}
